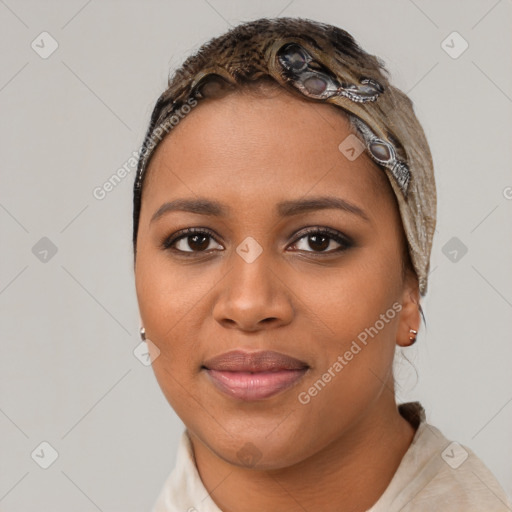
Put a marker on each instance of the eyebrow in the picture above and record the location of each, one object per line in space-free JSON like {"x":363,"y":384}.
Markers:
{"x":203,"y":206}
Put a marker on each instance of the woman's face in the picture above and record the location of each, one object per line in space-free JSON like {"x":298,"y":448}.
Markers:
{"x":262,"y":173}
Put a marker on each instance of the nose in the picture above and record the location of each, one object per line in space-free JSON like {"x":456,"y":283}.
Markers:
{"x":253,"y":296}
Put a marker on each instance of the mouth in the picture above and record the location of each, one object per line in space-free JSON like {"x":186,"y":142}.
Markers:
{"x":254,"y":375}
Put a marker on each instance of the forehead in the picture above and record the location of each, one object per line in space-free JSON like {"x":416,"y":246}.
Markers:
{"x":253,"y":147}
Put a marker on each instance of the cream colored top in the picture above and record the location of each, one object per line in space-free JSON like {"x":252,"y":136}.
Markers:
{"x":434,"y":475}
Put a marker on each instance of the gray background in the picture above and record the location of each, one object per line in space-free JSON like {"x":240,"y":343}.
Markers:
{"x":70,"y":319}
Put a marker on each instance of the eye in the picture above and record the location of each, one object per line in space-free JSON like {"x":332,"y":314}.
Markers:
{"x":320,"y":239}
{"x":190,"y":240}
{"x":198,"y":240}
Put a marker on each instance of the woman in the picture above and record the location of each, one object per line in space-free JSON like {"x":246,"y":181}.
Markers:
{"x":284,"y":209}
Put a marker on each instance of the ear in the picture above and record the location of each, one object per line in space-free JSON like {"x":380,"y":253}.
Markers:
{"x":410,"y":313}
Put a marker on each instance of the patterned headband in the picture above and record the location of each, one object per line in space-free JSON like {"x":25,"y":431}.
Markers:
{"x":320,"y":84}
{"x":302,"y":72}
{"x":323,"y":64}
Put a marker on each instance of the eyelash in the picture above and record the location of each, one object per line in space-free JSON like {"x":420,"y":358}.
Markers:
{"x":344,"y":241}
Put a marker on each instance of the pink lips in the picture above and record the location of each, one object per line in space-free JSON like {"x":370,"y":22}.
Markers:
{"x":254,"y":375}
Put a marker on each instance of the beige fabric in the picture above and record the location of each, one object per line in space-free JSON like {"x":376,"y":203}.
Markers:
{"x":424,"y":481}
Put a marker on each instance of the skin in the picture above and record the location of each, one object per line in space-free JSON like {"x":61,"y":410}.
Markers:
{"x":249,"y":153}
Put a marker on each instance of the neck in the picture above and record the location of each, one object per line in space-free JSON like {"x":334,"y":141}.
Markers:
{"x":349,"y":474}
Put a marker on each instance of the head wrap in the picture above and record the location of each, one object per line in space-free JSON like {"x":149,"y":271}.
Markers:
{"x":323,"y":63}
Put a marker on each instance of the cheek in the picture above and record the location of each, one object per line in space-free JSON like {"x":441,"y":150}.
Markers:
{"x":357,"y":328}
{"x":358,"y":321}
{"x":174,"y":301}
{"x":164,"y":296}
{"x":352,"y":297}
{"x":166,"y":302}
{"x":356,"y":315}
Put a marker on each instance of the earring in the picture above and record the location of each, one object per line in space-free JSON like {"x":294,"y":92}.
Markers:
{"x":143,"y":334}
{"x":412,"y":339}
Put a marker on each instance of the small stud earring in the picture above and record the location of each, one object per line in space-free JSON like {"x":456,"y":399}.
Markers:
{"x":412,"y":339}
{"x":143,"y":334}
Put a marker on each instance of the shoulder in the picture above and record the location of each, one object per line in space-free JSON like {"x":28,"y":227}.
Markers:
{"x":441,"y":475}
{"x":463,"y":482}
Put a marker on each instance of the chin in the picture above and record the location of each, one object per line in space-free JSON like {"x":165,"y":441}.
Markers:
{"x":256,"y":445}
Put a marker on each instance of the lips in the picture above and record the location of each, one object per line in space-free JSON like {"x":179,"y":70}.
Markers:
{"x":254,"y":375}
{"x":240,"y":361}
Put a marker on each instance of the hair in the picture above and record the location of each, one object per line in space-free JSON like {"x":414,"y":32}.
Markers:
{"x":244,"y":63}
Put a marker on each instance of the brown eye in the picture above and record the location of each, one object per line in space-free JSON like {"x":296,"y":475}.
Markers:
{"x":196,"y":242}
{"x":321,"y":239}
{"x":189,"y":241}
{"x":319,"y":242}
